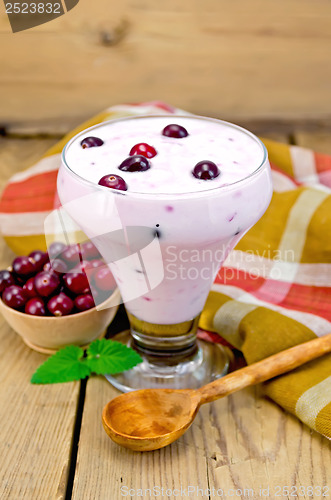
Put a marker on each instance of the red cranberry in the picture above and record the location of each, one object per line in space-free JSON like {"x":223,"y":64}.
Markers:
{"x":89,"y":251}
{"x":72,"y":254}
{"x":95,"y":263}
{"x":91,"y":142}
{"x":23,"y":266}
{"x":104,"y":280}
{"x":143,"y":149}
{"x":6,"y":279}
{"x":14,"y":296}
{"x":57,"y":266}
{"x":176,"y":131}
{"x":89,"y":268}
{"x":137,"y":163}
{"x":35,"y":307}
{"x":85,"y":267}
{"x":56,"y":248}
{"x":46,"y":283}
{"x":206,"y":170}
{"x":113,"y":181}
{"x":76,"y":283}
{"x":84,"y":302}
{"x":39,"y":258}
{"x":29,"y":288}
{"x":60,"y":305}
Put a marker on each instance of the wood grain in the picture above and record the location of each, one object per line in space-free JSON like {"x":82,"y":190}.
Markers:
{"x":256,"y":445}
{"x":318,"y":141}
{"x":103,"y":467}
{"x":243,"y":441}
{"x":36,"y":425}
{"x":36,"y":421}
{"x":216,"y":58}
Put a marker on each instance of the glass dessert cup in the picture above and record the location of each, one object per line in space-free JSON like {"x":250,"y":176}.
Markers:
{"x":164,"y":250}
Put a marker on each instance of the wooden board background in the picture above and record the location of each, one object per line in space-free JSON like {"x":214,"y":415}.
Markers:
{"x":37,"y":422}
{"x":240,"y":443}
{"x":239,"y":60}
{"x":265,"y":64}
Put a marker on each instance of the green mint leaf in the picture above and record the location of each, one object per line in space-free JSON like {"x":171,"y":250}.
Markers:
{"x":65,"y":365}
{"x":108,"y":356}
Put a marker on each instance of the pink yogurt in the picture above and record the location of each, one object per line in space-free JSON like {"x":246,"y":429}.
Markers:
{"x":187,"y":225}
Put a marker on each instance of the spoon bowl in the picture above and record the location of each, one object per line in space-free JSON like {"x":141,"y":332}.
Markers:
{"x":150,"y":419}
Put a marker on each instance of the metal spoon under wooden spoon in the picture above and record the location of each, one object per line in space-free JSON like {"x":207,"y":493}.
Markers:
{"x":150,"y":419}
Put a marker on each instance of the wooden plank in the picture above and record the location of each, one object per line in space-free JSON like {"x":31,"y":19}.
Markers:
{"x":37,"y":425}
{"x":37,"y":422}
{"x":274,"y":136}
{"x":215,"y":58}
{"x":241,"y":442}
{"x":103,"y":468}
{"x":259,"y":446}
{"x":318,"y":141}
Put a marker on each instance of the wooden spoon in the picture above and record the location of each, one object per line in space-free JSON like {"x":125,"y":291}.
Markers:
{"x":150,"y":419}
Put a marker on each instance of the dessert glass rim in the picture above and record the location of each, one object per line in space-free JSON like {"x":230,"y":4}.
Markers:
{"x":190,"y":194}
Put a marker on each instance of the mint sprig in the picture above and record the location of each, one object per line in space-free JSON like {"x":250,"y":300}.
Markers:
{"x":70,"y":363}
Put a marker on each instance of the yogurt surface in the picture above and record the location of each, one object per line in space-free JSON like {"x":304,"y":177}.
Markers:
{"x":236,"y":153}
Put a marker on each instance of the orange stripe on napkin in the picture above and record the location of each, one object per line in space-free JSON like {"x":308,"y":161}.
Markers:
{"x":35,"y":194}
{"x":323,"y":168}
{"x":309,"y":299}
{"x":323,"y":162}
{"x":239,"y":278}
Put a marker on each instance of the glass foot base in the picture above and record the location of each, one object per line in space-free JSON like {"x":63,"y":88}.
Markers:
{"x":204,"y":364}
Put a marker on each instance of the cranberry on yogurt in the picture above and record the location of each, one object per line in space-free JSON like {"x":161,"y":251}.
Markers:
{"x":136,"y":163}
{"x":206,"y":170}
{"x":91,"y":142}
{"x":113,"y":181}
{"x":143,"y":149}
{"x":175,"y":131}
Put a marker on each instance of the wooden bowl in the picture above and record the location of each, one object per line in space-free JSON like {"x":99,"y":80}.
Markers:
{"x":47,"y":334}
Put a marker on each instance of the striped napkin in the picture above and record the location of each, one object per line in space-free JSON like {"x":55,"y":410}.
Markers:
{"x":274,"y":289}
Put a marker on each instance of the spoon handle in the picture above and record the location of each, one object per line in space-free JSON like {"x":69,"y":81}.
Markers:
{"x":266,"y":369}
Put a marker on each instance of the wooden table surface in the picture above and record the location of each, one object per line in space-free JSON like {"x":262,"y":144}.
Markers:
{"x":214,"y":58}
{"x":54,"y":446}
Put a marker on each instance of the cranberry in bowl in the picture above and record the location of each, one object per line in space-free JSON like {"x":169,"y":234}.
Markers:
{"x":50,"y":303}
